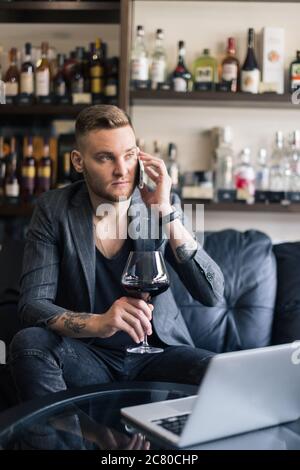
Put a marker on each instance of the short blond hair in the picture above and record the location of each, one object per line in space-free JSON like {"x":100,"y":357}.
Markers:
{"x":100,"y":116}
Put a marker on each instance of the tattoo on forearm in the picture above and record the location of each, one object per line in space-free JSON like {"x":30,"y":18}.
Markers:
{"x":186,"y":251}
{"x":75,"y":322}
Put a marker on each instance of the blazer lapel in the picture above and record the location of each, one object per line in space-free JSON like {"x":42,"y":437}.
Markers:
{"x":81,"y":225}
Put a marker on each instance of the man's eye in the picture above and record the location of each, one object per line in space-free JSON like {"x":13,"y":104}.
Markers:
{"x":131,"y":155}
{"x":103,"y":158}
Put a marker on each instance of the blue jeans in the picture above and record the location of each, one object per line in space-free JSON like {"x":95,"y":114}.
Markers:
{"x":44,"y":362}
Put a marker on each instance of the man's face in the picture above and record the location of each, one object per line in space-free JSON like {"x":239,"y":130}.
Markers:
{"x":109,"y":161}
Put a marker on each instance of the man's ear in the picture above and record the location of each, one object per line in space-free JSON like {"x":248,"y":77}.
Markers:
{"x":77,"y":161}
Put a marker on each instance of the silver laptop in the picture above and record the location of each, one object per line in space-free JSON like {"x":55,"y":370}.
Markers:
{"x":240,"y":392}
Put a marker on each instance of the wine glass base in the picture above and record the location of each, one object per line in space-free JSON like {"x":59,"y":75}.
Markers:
{"x":144,"y":350}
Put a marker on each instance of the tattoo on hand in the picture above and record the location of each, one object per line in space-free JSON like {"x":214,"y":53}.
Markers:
{"x":186,"y":252}
{"x":75,"y":322}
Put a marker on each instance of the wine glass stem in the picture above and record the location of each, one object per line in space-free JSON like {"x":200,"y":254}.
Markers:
{"x":145,"y":342}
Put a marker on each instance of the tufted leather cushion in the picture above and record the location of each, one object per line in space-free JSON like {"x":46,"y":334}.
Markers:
{"x":287,"y":309}
{"x":244,"y":319}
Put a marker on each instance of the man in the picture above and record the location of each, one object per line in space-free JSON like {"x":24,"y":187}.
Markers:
{"x":79,"y":319}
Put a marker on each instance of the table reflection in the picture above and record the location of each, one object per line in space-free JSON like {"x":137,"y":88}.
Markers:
{"x":75,"y":430}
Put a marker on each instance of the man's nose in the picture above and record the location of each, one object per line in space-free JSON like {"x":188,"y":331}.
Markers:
{"x":120,"y":168}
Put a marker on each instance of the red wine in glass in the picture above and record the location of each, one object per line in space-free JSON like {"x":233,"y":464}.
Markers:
{"x":145,"y":273}
{"x":136,"y":289}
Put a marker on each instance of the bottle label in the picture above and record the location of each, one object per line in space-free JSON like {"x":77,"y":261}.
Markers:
{"x":44,"y":172}
{"x":180,"y":84}
{"x":28,"y":172}
{"x":26,"y":83}
{"x":245,"y":183}
{"x":262,"y":179}
{"x":96,"y":85}
{"x":60,"y":89}
{"x":42,"y":82}
{"x":229,"y":72}
{"x":78,"y":86}
{"x":111,"y":90}
{"x":96,"y":71}
{"x":295,"y":76}
{"x":158,"y":69}
{"x":12,"y":189}
{"x":11,"y":89}
{"x":250,"y":80}
{"x":140,"y":69}
{"x":204,"y":74}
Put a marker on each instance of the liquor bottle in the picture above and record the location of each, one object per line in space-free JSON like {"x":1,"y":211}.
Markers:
{"x":64,"y":170}
{"x":294,"y":73}
{"x":139,"y":61}
{"x":262,"y":171}
{"x":97,"y":72}
{"x":2,"y":169}
{"x":86,"y":71}
{"x":287,"y":180}
{"x":250,"y":75}
{"x":77,"y":80}
{"x":59,"y":81}
{"x":294,"y":163}
{"x":28,"y":174}
{"x":12,"y":77}
{"x":43,"y":73}
{"x":231,"y":67}
{"x":158,"y":69}
{"x":223,"y":181}
{"x":44,"y":171}
{"x":69,"y":66}
{"x":27,"y":73}
{"x":181,"y":77}
{"x":244,"y":176}
{"x":11,"y":183}
{"x":111,"y":86}
{"x":205,"y":72}
{"x":262,"y":177}
{"x":173,"y":167}
{"x":276,"y":169}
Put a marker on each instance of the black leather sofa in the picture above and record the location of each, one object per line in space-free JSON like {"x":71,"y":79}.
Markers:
{"x":261,"y":304}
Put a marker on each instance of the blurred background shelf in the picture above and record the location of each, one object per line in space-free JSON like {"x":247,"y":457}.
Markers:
{"x":60,"y":12}
{"x":241,"y":207}
{"x":17,"y":210}
{"x":42,"y":110}
{"x":211,"y":99}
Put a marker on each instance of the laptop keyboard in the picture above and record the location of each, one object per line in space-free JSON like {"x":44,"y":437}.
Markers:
{"x":174,"y":424}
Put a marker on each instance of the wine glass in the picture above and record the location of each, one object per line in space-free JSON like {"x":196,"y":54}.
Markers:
{"x":145,"y":273}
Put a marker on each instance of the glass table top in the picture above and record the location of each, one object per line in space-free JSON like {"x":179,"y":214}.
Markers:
{"x":89,"y":419}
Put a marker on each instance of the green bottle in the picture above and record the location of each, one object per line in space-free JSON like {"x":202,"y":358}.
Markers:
{"x":205,"y":72}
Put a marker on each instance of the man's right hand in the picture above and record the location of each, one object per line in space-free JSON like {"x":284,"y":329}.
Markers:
{"x":126,"y":314}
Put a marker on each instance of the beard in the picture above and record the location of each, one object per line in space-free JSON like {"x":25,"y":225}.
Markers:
{"x":100,"y":192}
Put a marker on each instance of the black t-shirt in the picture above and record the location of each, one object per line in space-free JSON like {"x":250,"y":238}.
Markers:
{"x":108,"y":289}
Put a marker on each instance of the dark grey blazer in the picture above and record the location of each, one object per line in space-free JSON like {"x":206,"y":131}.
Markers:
{"x":59,"y":265}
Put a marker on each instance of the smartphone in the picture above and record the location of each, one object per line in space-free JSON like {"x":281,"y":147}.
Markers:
{"x":141,"y":172}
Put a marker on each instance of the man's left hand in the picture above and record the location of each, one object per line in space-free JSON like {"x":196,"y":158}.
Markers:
{"x":156,"y":169}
